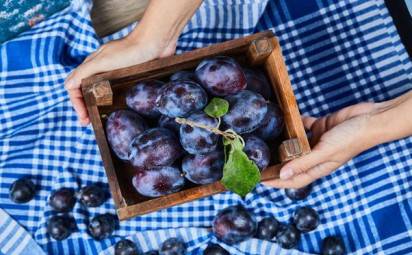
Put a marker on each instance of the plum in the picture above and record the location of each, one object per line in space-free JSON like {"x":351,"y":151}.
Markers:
{"x":152,"y":252}
{"x":215,"y":249}
{"x":272,"y":125}
{"x":142,"y":97}
{"x":267,"y":228}
{"x":121,"y":127}
{"x":306,"y":219}
{"x":197,"y":140}
{"x":257,"y":151}
{"x":22,"y":191}
{"x":154,"y":147}
{"x":102,"y":226}
{"x":62,"y":200}
{"x":92,"y":195}
{"x":204,"y":168}
{"x":126,"y":247}
{"x":298,"y":194}
{"x":221,"y":76}
{"x":159,"y":181}
{"x":333,"y":245}
{"x":168,"y":123}
{"x":173,"y":246}
{"x":246,"y":111}
{"x":234,"y":224}
{"x":180,"y":98}
{"x":287,"y":236}
{"x":257,"y":82}
{"x":60,"y":227}
{"x":183,"y":75}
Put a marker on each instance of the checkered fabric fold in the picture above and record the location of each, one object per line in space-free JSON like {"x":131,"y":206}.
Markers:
{"x":338,"y":53}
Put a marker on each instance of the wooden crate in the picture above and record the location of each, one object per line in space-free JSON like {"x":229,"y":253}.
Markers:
{"x":105,"y":92}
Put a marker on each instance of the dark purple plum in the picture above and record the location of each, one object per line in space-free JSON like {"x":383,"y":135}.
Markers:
{"x":183,"y":76}
{"x":272,"y":125}
{"x":169,"y":123}
{"x":298,"y":194}
{"x":234,"y":224}
{"x":333,"y":245}
{"x":142,"y":97}
{"x":215,"y":249}
{"x":92,"y":195}
{"x":204,"y":168}
{"x":126,"y":247}
{"x":267,"y":228}
{"x":180,"y":98}
{"x":246,"y":111}
{"x":62,"y":200}
{"x":159,"y":181}
{"x":221,"y":76}
{"x":121,"y":127}
{"x":155,"y":147}
{"x":152,"y":252}
{"x":102,"y":226}
{"x":257,"y":151}
{"x":22,"y":191}
{"x":288,"y":236}
{"x":306,"y":219}
{"x":257,"y":82}
{"x":198,"y":140}
{"x":173,"y":246}
{"x":60,"y":227}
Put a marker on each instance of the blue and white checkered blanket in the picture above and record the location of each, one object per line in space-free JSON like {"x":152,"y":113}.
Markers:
{"x":338,"y":53}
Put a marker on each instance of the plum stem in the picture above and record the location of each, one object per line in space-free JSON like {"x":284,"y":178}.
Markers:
{"x":228,"y":134}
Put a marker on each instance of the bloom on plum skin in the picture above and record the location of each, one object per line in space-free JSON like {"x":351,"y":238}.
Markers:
{"x":246,"y":112}
{"x":142,"y":97}
{"x":158,"y":181}
{"x":221,"y":76}
{"x":181,"y":98}
{"x":197,"y":140}
{"x":203,"y":168}
{"x":155,"y":147}
{"x":121,"y":127}
{"x":234,"y":224}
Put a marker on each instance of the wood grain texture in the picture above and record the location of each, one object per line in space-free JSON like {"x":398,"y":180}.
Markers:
{"x":259,"y":50}
{"x":105,"y":93}
{"x":103,"y":146}
{"x":278,"y":75}
{"x":289,"y":150}
{"x":184,"y":196}
{"x":172,"y":64}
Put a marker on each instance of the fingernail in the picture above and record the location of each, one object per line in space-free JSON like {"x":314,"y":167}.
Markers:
{"x":286,"y":173}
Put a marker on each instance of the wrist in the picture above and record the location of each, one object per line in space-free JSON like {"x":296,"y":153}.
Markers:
{"x":390,"y":119}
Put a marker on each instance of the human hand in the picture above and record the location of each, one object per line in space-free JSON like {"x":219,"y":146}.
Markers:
{"x":154,"y":37}
{"x":335,"y":139}
{"x":113,"y":55}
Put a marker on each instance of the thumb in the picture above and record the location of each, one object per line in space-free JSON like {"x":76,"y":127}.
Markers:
{"x":302,"y":164}
{"x":85,"y":70}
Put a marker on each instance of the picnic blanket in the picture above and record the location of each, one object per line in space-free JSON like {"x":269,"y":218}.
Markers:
{"x":338,"y":53}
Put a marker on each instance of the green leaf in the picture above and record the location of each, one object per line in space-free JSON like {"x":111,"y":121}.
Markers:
{"x":217,"y":107}
{"x":240,"y":174}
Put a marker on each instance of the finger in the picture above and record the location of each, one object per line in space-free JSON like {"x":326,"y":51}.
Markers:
{"x":79,"y":106}
{"x":296,"y":182}
{"x":308,"y":121}
{"x":302,"y":164}
{"x":83,"y":71}
{"x":303,"y":179}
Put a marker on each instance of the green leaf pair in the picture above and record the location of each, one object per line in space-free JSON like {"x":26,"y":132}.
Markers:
{"x":240,"y":174}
